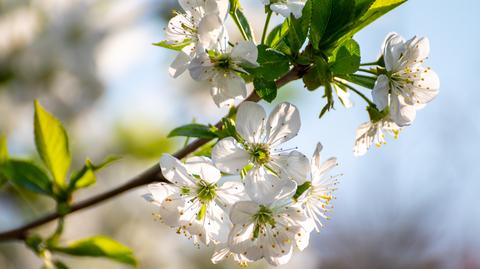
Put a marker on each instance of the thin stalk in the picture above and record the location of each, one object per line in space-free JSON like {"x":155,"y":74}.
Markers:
{"x":368,"y":71}
{"x":265,"y":27}
{"x":356,"y":91}
{"x":369,"y":64}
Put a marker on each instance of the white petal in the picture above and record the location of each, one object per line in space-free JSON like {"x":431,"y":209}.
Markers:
{"x":263,"y":187}
{"x":220,"y":254}
{"x":393,"y":49}
{"x":315,"y":164}
{"x":242,"y":212}
{"x":278,"y":251}
{"x":401,"y":113}
{"x":203,"y":167}
{"x":380,"y":92}
{"x":159,"y":191}
{"x":284,"y":193}
{"x":174,"y":171}
{"x":245,"y":52}
{"x":229,"y":156}
{"x":250,"y":121}
{"x":200,"y":67}
{"x":170,"y":210}
{"x":227,"y":88}
{"x":426,"y":89}
{"x":231,"y":192}
{"x":296,"y":7}
{"x":175,"y":33}
{"x":283,"y":124}
{"x":179,"y":65}
{"x":344,"y":96}
{"x":239,"y":239}
{"x":281,"y":9}
{"x":295,"y":165}
{"x":302,"y":239}
{"x":219,"y":7}
{"x":212,"y":33}
{"x":318,"y":175}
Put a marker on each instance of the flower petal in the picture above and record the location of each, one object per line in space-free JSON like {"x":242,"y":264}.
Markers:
{"x":159,"y":191}
{"x":250,"y":121}
{"x":401,"y":113}
{"x":294,"y":166}
{"x":380,"y":92}
{"x":242,"y":212}
{"x":179,"y":65}
{"x":245,"y":52}
{"x":231,"y":192}
{"x":212,"y":33}
{"x":229,"y":156}
{"x":283,"y":124}
{"x":174,"y":171}
{"x":203,"y":167}
{"x":261,"y":186}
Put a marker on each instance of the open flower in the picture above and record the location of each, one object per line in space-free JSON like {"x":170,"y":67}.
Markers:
{"x":222,"y":252}
{"x":286,"y":7}
{"x":259,"y":139}
{"x":269,"y":228}
{"x":194,"y":203}
{"x":319,"y":190}
{"x":407,"y":85}
{"x":373,"y":132}
{"x":221,"y":65}
{"x":200,"y":18}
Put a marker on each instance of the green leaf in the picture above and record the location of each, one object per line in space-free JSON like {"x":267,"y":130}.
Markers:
{"x":346,"y":59}
{"x":276,"y":36}
{"x":266,"y":89}
{"x":228,"y":128}
{"x":194,"y":130}
{"x":376,"y":9}
{"x":316,"y":15}
{"x":296,"y":35}
{"x":177,"y":46}
{"x":99,"y":246}
{"x":60,"y":265}
{"x":375,"y":114}
{"x":86,"y":176}
{"x":52,"y":144}
{"x":317,"y":75}
{"x":329,"y":96}
{"x":302,"y":189}
{"x":273,"y":63}
{"x":244,"y":23}
{"x":27,"y":175}
{"x":3,"y":157}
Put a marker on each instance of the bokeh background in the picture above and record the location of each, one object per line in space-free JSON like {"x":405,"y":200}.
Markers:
{"x":414,"y":203}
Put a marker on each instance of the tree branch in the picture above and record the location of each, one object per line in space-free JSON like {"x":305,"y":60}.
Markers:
{"x":153,"y":174}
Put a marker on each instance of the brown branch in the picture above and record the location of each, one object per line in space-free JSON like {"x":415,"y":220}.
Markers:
{"x":153,"y":174}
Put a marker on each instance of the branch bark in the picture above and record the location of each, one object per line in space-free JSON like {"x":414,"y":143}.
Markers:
{"x":151,"y":175}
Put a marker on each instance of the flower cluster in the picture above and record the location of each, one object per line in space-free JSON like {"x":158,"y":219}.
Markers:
{"x":280,"y":198}
{"x":403,"y":87}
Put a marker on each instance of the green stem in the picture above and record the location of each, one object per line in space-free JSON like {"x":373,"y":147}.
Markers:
{"x":369,"y":64}
{"x":368,"y":71}
{"x":265,"y":27}
{"x":356,"y":91}
{"x":239,"y":25}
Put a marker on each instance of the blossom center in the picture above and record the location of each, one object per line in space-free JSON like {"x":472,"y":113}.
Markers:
{"x":259,"y":153}
{"x":206,"y":192}
{"x":221,"y":61}
{"x":263,"y":217}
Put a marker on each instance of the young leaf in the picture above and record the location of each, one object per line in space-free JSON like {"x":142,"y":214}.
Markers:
{"x":28,"y":176}
{"x":3,"y":157}
{"x":317,"y":75}
{"x":296,"y":35}
{"x":266,"y":89}
{"x":99,"y":246}
{"x":177,"y":46}
{"x":244,"y":23}
{"x":273,"y":64}
{"x":52,"y":144}
{"x":86,"y":176}
{"x":275,"y":37}
{"x":329,"y":96}
{"x":346,"y":59}
{"x":194,"y":130}
{"x":60,"y":265}
{"x":316,"y":14}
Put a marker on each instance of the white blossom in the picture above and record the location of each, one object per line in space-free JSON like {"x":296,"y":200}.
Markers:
{"x":286,"y":7}
{"x":373,"y":132}
{"x":316,"y":199}
{"x":194,"y":203}
{"x":407,"y":85}
{"x":260,"y":138}
{"x":220,"y":65}
{"x":200,"y":18}
{"x":269,"y":228}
